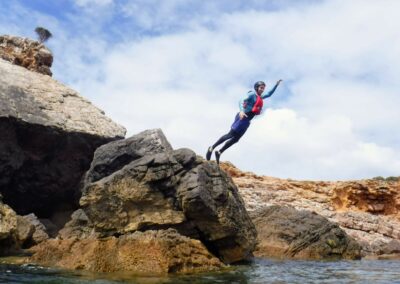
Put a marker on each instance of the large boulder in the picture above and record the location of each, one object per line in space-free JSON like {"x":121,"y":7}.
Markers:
{"x":49,"y":135}
{"x":113,"y":156}
{"x":286,"y":232}
{"x":149,"y":253}
{"x":141,"y":184}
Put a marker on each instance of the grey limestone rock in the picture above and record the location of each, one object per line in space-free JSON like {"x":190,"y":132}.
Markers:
{"x":49,"y":134}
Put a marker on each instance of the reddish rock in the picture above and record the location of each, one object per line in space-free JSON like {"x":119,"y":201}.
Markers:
{"x":143,"y":253}
{"x":368,"y":210}
{"x":27,"y":53}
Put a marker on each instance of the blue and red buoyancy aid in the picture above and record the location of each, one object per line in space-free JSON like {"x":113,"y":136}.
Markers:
{"x":253,"y":103}
{"x":258,"y":105}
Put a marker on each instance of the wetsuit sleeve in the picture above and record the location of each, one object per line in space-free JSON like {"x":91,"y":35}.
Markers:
{"x":267,"y":95}
{"x":245,"y":103}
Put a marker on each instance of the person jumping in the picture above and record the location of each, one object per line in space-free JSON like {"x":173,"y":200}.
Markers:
{"x":249,"y":107}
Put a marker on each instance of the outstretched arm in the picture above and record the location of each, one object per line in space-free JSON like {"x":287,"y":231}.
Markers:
{"x":267,"y":95}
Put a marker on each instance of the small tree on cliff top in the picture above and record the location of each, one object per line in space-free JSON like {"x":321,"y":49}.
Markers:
{"x":43,"y":34}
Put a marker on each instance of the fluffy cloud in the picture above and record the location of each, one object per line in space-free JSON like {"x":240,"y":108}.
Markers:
{"x":328,"y":148}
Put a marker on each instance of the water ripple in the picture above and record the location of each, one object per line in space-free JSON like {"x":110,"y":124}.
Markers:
{"x":259,"y":271}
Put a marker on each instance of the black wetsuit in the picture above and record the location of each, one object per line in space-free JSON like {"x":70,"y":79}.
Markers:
{"x":233,"y":135}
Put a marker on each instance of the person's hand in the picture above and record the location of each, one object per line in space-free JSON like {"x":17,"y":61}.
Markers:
{"x":279,"y":81}
{"x":242,"y":114}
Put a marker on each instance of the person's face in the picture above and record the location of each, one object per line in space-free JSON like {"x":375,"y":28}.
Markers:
{"x":260,"y":89}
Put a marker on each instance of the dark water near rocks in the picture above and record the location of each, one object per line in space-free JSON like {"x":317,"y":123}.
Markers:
{"x":260,"y":271}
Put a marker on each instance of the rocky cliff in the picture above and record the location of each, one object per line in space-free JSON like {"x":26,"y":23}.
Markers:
{"x":367,"y":210}
{"x":48,"y":136}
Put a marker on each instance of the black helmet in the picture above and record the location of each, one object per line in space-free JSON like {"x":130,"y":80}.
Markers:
{"x":258,"y":84}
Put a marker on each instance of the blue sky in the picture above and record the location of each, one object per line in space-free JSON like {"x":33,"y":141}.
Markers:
{"x":183,"y":66}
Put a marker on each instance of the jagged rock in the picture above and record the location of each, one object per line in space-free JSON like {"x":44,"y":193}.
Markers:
{"x":8,"y":227}
{"x":25,"y":230}
{"x":113,"y":156}
{"x":286,"y":232}
{"x":32,"y":231}
{"x":374,"y":196}
{"x":79,"y":227}
{"x":27,"y":53}
{"x":163,"y":188}
{"x":49,"y":135}
{"x":212,"y":202}
{"x":40,"y":232}
{"x":17,"y":232}
{"x":150,"y":252}
{"x":126,"y":201}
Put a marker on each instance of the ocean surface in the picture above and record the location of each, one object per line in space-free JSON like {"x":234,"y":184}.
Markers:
{"x":259,"y":271}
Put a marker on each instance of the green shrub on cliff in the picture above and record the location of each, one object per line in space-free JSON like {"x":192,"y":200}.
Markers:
{"x":391,"y":178}
{"x":43,"y":34}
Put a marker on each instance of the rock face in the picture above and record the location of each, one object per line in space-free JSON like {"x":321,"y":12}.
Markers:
{"x":39,"y":232}
{"x":147,"y":185}
{"x":286,"y":232}
{"x":367,"y":210}
{"x":113,"y":156}
{"x":150,"y":252}
{"x":49,"y":135}
{"x":377,"y":234}
{"x":26,"y":53}
{"x":140,"y":188}
{"x":372,"y":196}
{"x":79,"y":227}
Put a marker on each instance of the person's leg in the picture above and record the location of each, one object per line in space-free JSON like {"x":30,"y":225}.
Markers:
{"x":228,"y":144}
{"x":223,"y":138}
{"x":236,"y":137}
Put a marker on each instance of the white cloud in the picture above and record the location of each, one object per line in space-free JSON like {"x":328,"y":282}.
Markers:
{"x":84,"y":3}
{"x":327,"y":148}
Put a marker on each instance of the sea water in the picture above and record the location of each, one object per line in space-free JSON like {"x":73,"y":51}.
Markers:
{"x":258,"y":271}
